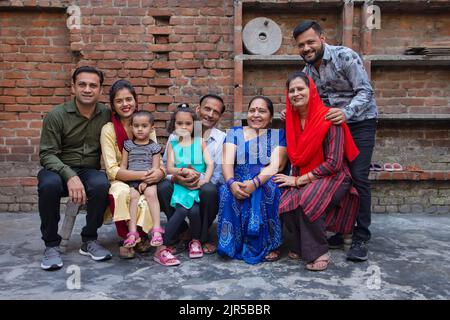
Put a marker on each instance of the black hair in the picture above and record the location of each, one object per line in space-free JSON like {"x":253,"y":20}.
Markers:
{"x":119,"y":85}
{"x":269,"y":103}
{"x":87,"y":69}
{"x":184,"y":107}
{"x":295,"y":75}
{"x":144,"y":113}
{"x":213,"y":96}
{"x":305,"y":25}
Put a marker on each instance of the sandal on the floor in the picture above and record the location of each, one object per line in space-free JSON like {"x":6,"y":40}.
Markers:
{"x":195,"y":249}
{"x":272,"y":256}
{"x":293,"y":256}
{"x":157,"y":239}
{"x":165,"y":258}
{"x":312,"y":266}
{"x":132,"y":239}
{"x":209,"y":248}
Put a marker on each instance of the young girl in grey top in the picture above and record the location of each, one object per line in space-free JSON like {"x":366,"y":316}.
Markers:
{"x":142,"y":154}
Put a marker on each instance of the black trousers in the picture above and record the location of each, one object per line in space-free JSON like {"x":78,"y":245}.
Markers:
{"x":363,"y":134}
{"x":178,"y":218}
{"x":51,"y":187}
{"x":309,"y":239}
{"x":209,"y":206}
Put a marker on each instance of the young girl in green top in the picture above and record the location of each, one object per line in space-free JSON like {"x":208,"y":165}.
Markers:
{"x":185,"y":155}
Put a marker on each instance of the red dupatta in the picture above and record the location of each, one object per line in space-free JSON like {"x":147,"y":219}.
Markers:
{"x":121,"y":133}
{"x":304,"y":147}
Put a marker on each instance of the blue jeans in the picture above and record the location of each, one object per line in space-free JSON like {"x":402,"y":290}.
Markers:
{"x":51,"y":187}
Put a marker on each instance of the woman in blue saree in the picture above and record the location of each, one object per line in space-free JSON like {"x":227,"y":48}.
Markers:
{"x":248,"y":225}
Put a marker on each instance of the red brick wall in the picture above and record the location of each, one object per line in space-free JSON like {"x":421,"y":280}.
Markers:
{"x":422,"y":144}
{"x":34,"y":76}
{"x":399,"y":31}
{"x":175,"y":51}
{"x":171,"y":51}
{"x":268,"y":81}
{"x":170,"y":55}
{"x":412,"y":89}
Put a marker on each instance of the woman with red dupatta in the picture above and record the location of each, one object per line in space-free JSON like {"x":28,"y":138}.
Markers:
{"x":319,"y":196}
{"x":123,"y":101}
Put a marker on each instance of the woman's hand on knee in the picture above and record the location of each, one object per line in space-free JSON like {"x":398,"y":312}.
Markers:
{"x":284,"y":180}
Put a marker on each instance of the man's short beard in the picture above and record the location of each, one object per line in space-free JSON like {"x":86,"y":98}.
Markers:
{"x":319,"y":55}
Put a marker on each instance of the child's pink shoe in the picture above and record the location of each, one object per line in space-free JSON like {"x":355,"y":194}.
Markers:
{"x":133,"y":239}
{"x":195,"y":249}
{"x":165,"y":258}
{"x":157,"y":239}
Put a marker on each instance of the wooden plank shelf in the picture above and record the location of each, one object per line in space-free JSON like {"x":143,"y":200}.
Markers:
{"x":413,"y":117}
{"x":407,"y":60}
{"x":285,"y":5}
{"x":376,"y":60}
{"x":422,"y":6}
{"x":257,"y":59}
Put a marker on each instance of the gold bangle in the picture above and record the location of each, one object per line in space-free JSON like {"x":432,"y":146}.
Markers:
{"x":162,"y":170}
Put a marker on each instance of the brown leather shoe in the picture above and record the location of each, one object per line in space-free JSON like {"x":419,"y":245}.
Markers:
{"x":126,"y":253}
{"x":143,"y":246}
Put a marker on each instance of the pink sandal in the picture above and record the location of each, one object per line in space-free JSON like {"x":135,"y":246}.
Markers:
{"x":195,"y":249}
{"x":157,"y":240}
{"x":166,"y":259}
{"x":133,"y":239}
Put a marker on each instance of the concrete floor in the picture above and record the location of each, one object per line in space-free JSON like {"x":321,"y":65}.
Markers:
{"x":409,"y":259}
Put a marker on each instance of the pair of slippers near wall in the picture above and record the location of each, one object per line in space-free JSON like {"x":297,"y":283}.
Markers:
{"x":393,"y":167}
{"x":386,"y":167}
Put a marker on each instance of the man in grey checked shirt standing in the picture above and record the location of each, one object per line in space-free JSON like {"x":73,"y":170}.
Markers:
{"x":344,"y":86}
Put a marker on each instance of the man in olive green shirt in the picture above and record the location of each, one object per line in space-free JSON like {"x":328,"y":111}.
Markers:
{"x":70,"y":155}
